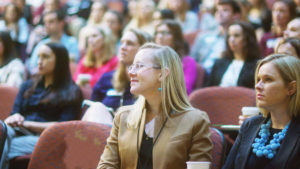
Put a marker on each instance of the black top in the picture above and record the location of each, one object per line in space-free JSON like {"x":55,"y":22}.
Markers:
{"x":145,"y":156}
{"x":260,"y":162}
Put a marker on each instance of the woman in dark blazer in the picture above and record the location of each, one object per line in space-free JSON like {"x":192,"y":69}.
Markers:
{"x":238,"y":62}
{"x":271,"y":140}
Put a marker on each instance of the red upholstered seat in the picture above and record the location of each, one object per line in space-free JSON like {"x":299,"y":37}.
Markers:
{"x":200,"y":77}
{"x":223,"y":104}
{"x":70,"y":145}
{"x":218,"y":153}
{"x":7,"y":99}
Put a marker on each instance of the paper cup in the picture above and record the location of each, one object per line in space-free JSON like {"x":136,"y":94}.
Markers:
{"x":198,"y":165}
{"x":250,"y":111}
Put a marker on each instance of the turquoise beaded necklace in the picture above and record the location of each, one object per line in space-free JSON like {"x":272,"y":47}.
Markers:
{"x":259,"y":146}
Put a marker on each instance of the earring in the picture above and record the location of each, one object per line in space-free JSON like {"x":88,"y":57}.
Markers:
{"x":159,"y":89}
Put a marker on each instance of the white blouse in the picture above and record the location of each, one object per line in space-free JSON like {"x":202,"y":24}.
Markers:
{"x":13,"y":73}
{"x":231,"y":76}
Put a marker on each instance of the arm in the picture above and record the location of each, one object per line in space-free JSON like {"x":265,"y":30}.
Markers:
{"x":110,"y":157}
{"x":201,"y":148}
{"x":37,"y":127}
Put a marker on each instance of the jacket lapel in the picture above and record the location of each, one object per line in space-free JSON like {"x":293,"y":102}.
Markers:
{"x":247,"y":140}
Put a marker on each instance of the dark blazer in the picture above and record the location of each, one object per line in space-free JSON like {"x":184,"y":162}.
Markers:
{"x":287,"y":156}
{"x":246,"y":76}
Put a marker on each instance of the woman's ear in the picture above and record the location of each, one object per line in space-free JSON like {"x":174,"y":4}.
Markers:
{"x":292,"y":87}
{"x":161,"y":76}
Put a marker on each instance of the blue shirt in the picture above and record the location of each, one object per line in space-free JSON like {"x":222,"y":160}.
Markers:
{"x":68,"y":41}
{"x":33,"y":110}
{"x":104,"y":92}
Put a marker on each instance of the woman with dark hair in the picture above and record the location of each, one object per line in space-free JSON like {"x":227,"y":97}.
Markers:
{"x":49,"y":98}
{"x":282,"y":12}
{"x":237,"y":65}
{"x":12,"y":70}
{"x":162,"y":14}
{"x":289,"y":46}
{"x":169,"y":33}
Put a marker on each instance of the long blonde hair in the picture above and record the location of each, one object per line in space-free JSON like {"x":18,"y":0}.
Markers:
{"x":173,"y":93}
{"x":108,"y":48}
{"x":289,"y":69}
{"x":120,"y":77}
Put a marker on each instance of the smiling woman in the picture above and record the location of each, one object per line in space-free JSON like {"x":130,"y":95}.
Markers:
{"x":166,"y":130}
{"x":271,"y":140}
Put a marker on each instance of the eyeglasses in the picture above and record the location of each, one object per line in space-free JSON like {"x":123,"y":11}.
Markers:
{"x":139,"y":66}
{"x":164,"y":33}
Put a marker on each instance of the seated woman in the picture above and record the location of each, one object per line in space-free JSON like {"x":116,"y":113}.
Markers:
{"x":12,"y":70}
{"x":238,"y":63}
{"x":161,"y":130}
{"x":271,"y":140}
{"x":100,"y":57}
{"x":169,"y":33}
{"x":289,"y":46}
{"x":113,"y":88}
{"x":49,"y":98}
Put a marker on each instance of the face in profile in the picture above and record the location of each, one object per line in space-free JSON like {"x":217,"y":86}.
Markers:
{"x":128,"y":48}
{"x":110,"y":19}
{"x":271,"y":90}
{"x":293,"y":29}
{"x":97,"y":12}
{"x":163,"y":36}
{"x":11,"y":13}
{"x":288,"y":49}
{"x":144,"y":74}
{"x":224,"y":14}
{"x":46,"y":61}
{"x":52,"y":24}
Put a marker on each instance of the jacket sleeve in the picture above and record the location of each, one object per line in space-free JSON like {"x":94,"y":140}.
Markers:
{"x":230,"y":161}
{"x":201,"y":148}
{"x":110,"y":157}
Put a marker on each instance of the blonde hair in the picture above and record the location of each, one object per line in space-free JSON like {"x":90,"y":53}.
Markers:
{"x":120,"y":77}
{"x":173,"y":93}
{"x":289,"y":69}
{"x":108,"y":48}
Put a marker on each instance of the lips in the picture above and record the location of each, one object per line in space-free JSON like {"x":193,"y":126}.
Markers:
{"x":259,"y":96}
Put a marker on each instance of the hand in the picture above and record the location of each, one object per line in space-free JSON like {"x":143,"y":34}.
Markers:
{"x":242,"y":119}
{"x":14,"y":120}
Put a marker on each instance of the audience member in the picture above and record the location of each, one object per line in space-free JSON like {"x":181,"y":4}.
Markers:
{"x":289,"y":46}
{"x":293,"y":29}
{"x":238,"y":62}
{"x":100,"y":57}
{"x":271,"y":140}
{"x":12,"y":70}
{"x":161,"y":116}
{"x":187,"y":19}
{"x":282,"y":12}
{"x":169,"y":33}
{"x":113,"y":88}
{"x":49,"y":98}
{"x":209,"y":46}
{"x":97,"y":12}
{"x":25,"y":10}
{"x":54,"y":24}
{"x":143,"y":18}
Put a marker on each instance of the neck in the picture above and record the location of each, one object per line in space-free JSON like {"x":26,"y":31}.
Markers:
{"x":279,"y":119}
{"x":56,"y":37}
{"x":98,"y":56}
{"x":223,"y":29}
{"x":238,"y":56}
{"x":48,"y":80}
{"x":153,"y":107}
{"x":279,"y":30}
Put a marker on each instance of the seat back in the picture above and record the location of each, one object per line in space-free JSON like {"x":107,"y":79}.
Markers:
{"x":7,"y":98}
{"x":219,"y":145}
{"x":73,"y":144}
{"x":223,"y":104}
{"x":200,"y":77}
{"x":3,"y":135}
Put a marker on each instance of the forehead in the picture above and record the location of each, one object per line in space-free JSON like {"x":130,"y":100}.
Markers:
{"x":44,"y":49}
{"x":226,"y":7}
{"x":268,"y":69}
{"x":280,"y":4}
{"x":50,"y":16}
{"x":129,"y":36}
{"x":163,"y":26}
{"x":144,"y":56}
{"x":235,"y":29}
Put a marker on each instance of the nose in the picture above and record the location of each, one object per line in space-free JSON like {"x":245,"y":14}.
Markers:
{"x":258,"y":86}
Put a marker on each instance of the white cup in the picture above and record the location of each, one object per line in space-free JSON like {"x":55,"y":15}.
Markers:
{"x":250,"y":111}
{"x":84,"y":79}
{"x":198,"y":164}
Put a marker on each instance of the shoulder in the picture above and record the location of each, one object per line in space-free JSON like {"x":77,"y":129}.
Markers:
{"x":250,"y":122}
{"x":196,"y":116}
{"x":107,"y":76}
{"x":69,"y":39}
{"x":123,"y":112}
